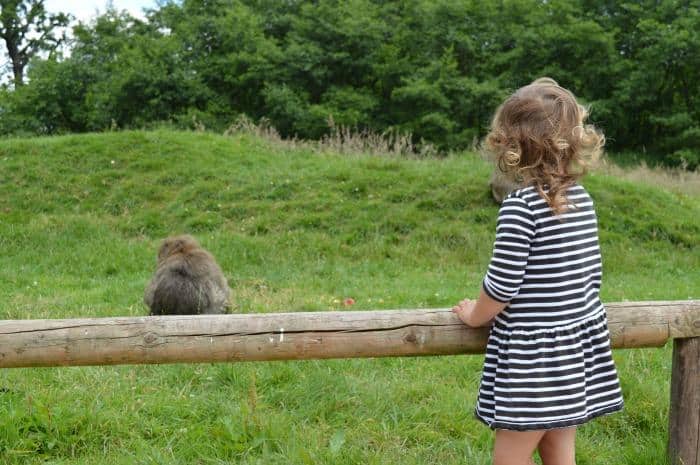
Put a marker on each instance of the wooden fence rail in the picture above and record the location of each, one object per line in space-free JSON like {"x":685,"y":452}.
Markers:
{"x":321,"y":335}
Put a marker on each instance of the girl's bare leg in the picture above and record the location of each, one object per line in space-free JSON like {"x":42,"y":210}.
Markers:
{"x":515,"y":447}
{"x":557,"y":446}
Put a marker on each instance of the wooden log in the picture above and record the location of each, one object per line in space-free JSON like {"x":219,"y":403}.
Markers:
{"x":684,"y":414}
{"x":290,"y":336}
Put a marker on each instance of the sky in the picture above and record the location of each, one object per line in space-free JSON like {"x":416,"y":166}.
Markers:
{"x":84,"y":10}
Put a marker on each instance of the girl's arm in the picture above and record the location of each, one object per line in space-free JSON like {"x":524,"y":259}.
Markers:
{"x":515,"y":230}
{"x":480,"y":312}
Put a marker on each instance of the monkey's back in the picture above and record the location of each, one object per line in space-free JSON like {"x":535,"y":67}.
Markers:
{"x":186,"y":285}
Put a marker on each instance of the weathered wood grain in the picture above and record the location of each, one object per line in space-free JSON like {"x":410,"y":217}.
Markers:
{"x":684,"y":414}
{"x":300,"y":335}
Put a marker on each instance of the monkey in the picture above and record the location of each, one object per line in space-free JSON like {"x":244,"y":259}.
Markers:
{"x":501,"y":185}
{"x":187,"y":280}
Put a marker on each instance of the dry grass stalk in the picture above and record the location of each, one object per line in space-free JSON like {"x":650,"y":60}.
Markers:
{"x":341,"y":139}
{"x":673,"y":179}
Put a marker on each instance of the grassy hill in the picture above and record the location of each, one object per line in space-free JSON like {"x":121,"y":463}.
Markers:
{"x":294,"y":229}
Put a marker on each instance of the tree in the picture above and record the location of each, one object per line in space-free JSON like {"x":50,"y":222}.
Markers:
{"x":28,"y":29}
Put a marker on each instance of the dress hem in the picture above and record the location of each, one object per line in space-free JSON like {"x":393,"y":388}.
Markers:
{"x":550,"y":424}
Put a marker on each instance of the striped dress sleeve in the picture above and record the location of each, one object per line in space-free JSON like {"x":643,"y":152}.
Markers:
{"x":514,"y":232}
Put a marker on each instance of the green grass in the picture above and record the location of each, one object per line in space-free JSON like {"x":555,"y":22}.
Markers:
{"x":80,"y":221}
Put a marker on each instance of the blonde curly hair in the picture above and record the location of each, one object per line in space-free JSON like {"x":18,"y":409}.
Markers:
{"x":538,"y":137}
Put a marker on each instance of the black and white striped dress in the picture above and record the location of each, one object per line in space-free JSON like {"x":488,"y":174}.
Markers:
{"x":548,"y":362}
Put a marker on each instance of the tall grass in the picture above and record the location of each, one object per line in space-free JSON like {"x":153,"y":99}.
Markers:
{"x":294,"y":228}
{"x":341,"y":140}
{"x":677,"y":180}
{"x":346,"y":140}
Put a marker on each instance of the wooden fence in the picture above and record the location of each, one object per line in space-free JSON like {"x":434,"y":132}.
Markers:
{"x":321,"y":335}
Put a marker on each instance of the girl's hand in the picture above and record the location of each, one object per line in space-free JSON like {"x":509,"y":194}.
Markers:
{"x":464,"y":309}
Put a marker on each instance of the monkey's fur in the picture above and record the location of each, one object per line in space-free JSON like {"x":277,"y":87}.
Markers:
{"x":187,"y":281}
{"x":501,"y":185}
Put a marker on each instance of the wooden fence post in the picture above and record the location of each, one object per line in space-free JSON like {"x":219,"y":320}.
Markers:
{"x":684,"y":415}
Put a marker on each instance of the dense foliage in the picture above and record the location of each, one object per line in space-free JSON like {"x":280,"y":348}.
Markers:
{"x":435,"y":68}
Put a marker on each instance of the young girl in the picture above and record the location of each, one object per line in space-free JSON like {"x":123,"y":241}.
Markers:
{"x":548,"y":365}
